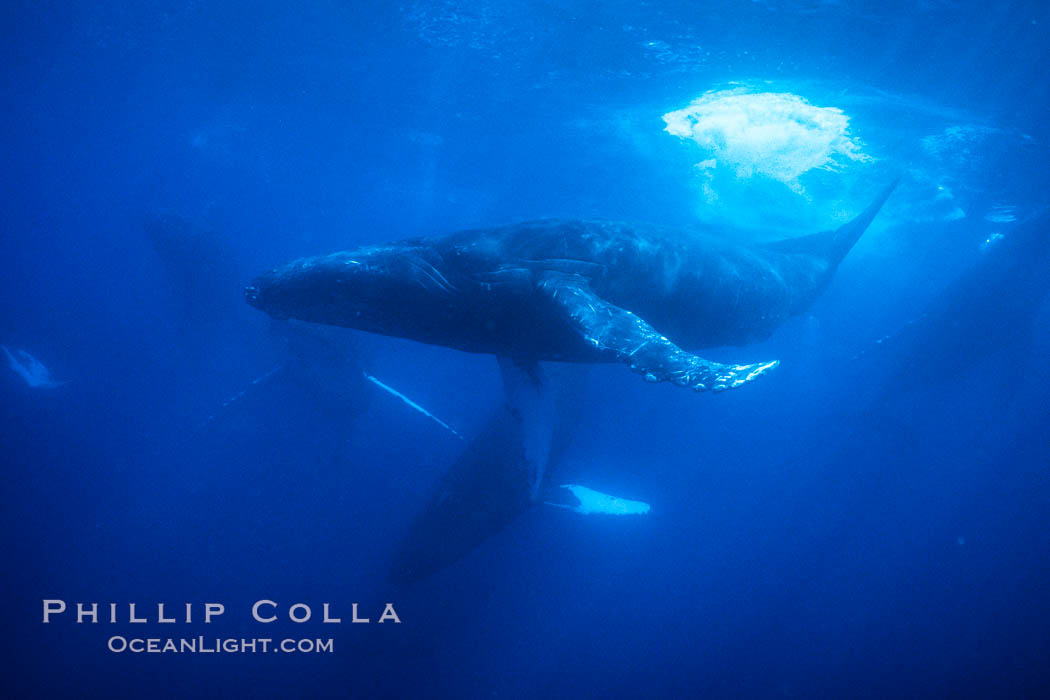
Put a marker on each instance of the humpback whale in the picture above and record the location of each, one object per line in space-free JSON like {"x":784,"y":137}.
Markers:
{"x":199,"y":267}
{"x":571,"y":291}
{"x":567,"y":291}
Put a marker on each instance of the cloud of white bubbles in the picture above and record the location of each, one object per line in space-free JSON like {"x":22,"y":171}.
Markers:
{"x":778,"y":135}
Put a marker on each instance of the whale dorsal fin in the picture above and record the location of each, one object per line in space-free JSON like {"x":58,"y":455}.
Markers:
{"x":621,"y":335}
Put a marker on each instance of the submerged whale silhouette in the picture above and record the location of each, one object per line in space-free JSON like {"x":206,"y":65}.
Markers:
{"x":31,"y":370}
{"x":571,"y":291}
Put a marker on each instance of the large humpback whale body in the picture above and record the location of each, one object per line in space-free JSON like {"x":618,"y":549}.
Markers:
{"x":571,"y":291}
{"x":563,"y":291}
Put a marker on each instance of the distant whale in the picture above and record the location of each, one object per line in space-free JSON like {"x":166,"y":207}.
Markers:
{"x":988,"y":310}
{"x":31,"y":370}
{"x":571,"y":291}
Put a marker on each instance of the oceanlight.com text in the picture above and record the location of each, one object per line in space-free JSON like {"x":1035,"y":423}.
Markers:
{"x":218,"y":645}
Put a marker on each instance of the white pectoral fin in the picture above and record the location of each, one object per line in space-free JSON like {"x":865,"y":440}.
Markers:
{"x":412,"y":404}
{"x":31,"y":370}
{"x":590,"y":502}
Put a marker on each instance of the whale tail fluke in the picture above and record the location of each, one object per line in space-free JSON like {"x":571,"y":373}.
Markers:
{"x":833,"y":245}
{"x":847,"y":235}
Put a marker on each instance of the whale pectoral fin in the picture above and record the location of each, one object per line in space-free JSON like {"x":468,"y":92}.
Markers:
{"x":589,"y":502}
{"x":624,"y":336}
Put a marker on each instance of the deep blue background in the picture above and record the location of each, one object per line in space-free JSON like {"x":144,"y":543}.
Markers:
{"x":830,"y":531}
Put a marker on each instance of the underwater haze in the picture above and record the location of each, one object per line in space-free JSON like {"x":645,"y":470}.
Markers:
{"x":871,"y":518}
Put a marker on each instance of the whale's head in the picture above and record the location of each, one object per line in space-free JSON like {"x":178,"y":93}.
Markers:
{"x":393,"y":290}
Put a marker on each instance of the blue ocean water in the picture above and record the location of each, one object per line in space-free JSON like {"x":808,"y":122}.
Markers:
{"x":870,"y":520}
